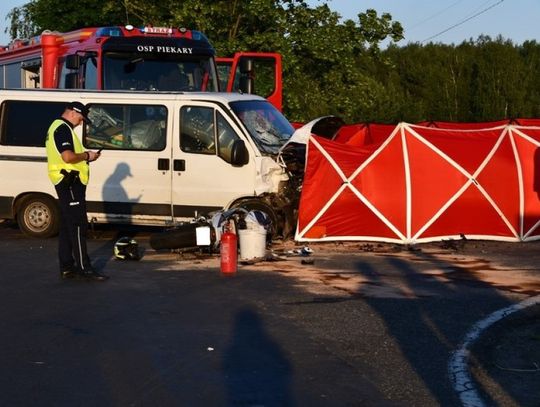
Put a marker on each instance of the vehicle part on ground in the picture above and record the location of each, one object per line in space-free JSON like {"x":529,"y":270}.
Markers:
{"x":183,"y":236}
{"x":266,"y":206}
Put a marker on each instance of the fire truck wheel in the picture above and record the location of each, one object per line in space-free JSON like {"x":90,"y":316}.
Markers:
{"x":38,"y":216}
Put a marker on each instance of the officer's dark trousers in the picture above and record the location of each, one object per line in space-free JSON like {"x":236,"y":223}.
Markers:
{"x":72,"y":250}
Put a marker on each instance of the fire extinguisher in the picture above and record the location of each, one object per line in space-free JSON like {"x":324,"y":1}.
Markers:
{"x":228,"y":251}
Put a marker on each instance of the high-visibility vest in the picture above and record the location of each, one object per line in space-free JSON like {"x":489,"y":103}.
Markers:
{"x":55,"y":163}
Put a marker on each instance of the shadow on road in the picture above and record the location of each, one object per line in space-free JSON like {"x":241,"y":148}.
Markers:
{"x":432,"y":330}
{"x":256,"y":371}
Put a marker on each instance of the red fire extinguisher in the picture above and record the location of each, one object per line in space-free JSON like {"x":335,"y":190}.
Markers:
{"x":228,"y":251}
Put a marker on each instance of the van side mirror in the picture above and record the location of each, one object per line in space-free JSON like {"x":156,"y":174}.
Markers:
{"x":72,"y":81}
{"x":73,"y":61}
{"x":247,"y":75}
{"x":239,"y":153}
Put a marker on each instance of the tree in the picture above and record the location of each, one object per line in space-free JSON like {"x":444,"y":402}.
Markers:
{"x":38,"y":15}
{"x":326,"y":62}
{"x":530,"y":54}
{"x":478,"y":80}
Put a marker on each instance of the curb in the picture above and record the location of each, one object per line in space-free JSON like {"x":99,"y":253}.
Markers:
{"x":458,"y":368}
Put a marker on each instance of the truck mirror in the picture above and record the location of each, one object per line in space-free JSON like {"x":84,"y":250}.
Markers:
{"x":239,"y":153}
{"x":246,"y":66}
{"x":73,"y":61}
{"x":72,"y":81}
{"x":247,"y":75}
{"x":247,"y":85}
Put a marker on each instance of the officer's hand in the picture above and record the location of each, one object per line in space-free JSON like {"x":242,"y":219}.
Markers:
{"x":93,"y":155}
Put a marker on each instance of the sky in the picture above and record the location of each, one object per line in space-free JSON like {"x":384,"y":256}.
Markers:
{"x":452,"y":21}
{"x":445,"y":21}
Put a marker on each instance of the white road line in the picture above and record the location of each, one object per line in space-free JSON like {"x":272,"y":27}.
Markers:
{"x":458,"y":366}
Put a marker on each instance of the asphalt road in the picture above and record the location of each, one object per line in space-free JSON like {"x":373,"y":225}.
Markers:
{"x":363,"y":325}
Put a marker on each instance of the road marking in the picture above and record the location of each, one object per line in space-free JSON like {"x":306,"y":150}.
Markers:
{"x":458,"y":365}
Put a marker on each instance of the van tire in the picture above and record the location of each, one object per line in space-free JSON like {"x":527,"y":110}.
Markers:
{"x":38,"y":216}
{"x":258,"y":205}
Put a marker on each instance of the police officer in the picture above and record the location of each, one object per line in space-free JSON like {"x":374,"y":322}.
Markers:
{"x":69,"y":172}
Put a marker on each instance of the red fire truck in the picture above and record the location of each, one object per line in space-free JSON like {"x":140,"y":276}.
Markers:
{"x":136,"y":58}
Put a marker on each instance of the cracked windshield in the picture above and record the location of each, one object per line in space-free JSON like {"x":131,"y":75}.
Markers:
{"x":266,"y":125}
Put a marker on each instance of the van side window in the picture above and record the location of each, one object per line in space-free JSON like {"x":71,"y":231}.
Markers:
{"x":226,"y":138}
{"x":18,"y":130}
{"x":197,"y":130}
{"x":126,"y":127}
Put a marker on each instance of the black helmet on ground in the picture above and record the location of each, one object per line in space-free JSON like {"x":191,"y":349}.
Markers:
{"x":126,"y":248}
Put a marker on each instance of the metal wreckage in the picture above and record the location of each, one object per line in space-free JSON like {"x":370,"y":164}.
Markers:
{"x":277,"y":213}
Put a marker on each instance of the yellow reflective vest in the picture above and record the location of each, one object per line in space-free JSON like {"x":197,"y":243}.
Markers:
{"x":55,"y":162}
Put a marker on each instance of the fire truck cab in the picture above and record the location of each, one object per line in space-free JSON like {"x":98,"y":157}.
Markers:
{"x":131,"y":58}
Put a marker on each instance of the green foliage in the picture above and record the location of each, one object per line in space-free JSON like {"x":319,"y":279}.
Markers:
{"x":324,"y":57}
{"x":480,"y":80}
{"x":39,"y":15}
{"x":331,"y":65}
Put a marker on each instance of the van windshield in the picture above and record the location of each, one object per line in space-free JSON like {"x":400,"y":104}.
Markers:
{"x":137,"y":71}
{"x":267,"y":126}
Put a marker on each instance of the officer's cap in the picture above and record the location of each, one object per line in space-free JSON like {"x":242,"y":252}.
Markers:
{"x":79,"y":108}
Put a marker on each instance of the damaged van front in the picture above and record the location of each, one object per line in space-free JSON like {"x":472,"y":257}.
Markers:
{"x":270,"y":131}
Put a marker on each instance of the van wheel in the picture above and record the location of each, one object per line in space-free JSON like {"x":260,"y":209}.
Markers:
{"x":257,"y":205}
{"x":38,"y":216}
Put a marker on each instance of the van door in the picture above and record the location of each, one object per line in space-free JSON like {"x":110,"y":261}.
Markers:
{"x":131,"y":181}
{"x":204,"y":179}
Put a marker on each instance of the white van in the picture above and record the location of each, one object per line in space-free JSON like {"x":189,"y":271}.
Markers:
{"x":166,"y":157}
